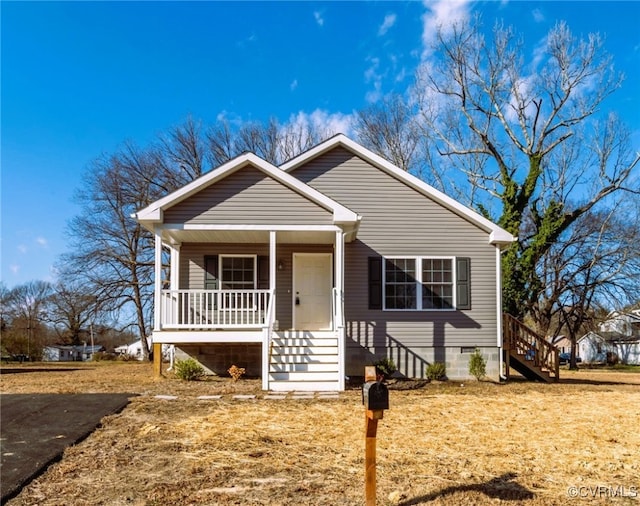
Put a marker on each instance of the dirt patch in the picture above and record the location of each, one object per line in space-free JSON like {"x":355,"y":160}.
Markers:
{"x":441,"y":443}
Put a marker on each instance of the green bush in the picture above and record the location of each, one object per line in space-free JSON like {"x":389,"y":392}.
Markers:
{"x":477,"y":365}
{"x":188,"y":370}
{"x":437,"y":371}
{"x":386,"y":366}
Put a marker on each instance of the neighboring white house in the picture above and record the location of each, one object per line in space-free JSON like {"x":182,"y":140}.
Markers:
{"x":619,"y":335}
{"x":70,"y":353}
{"x":134,"y":350}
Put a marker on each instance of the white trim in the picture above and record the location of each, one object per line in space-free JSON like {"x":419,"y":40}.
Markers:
{"x":293,"y":283}
{"x":454,"y":277}
{"x":244,"y":228}
{"x":499,"y":300}
{"x":157,"y":281}
{"x":497,"y":234}
{"x":154,"y":212}
{"x":208,"y":336}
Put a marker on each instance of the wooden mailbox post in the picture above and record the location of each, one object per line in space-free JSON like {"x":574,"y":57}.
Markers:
{"x":375,"y":398}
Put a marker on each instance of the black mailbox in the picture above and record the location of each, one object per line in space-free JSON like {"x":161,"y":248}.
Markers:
{"x":375,"y":395}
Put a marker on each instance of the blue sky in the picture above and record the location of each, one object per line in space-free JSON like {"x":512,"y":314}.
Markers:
{"x":80,"y":78}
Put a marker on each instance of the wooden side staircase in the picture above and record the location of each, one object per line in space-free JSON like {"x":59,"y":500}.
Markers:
{"x":528,"y":353}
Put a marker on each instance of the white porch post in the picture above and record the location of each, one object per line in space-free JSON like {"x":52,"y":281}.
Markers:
{"x":272,"y":260}
{"x":339,"y":261}
{"x":339,"y":277}
{"x":266,"y":340}
{"x":157,"y":294}
{"x":175,"y":267}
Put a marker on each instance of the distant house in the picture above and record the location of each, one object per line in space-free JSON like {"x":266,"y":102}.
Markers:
{"x":307,"y":272}
{"x":70,"y":353}
{"x":619,"y":335}
{"x":563,"y":343}
{"x":134,"y":350}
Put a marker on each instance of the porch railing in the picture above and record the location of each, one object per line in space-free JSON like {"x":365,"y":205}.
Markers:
{"x":214,"y":309}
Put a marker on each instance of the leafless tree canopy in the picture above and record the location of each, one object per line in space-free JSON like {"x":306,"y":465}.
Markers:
{"x":524,"y":141}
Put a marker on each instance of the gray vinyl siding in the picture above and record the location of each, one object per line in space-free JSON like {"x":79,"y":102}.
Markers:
{"x":248,"y":197}
{"x":192,"y":272}
{"x":398,"y":221}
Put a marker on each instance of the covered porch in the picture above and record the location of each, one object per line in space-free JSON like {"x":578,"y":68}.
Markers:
{"x":281,"y":288}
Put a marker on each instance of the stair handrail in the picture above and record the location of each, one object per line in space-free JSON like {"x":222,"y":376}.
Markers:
{"x":526,"y":341}
{"x":337,"y":310}
{"x":269,"y":322}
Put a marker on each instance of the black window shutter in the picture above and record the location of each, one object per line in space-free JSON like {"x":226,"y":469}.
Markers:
{"x":211,"y":278}
{"x":375,"y":282}
{"x":263,"y":273}
{"x":463,"y":283}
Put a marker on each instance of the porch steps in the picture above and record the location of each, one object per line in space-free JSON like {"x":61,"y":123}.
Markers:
{"x":304,"y":361}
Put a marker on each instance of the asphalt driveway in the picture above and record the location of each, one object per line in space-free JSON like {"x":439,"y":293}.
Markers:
{"x":36,"y":428}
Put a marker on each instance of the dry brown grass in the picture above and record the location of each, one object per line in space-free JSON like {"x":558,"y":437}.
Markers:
{"x":481,"y":443}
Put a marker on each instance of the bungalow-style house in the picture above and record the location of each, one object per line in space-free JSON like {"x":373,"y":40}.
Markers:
{"x":70,"y":353}
{"x":618,"y":336}
{"x":305,"y":273}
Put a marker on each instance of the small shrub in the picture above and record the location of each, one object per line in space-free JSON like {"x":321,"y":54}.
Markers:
{"x":236,"y":372}
{"x":189,"y":370}
{"x":386,"y":366}
{"x":477,"y":365}
{"x":436,"y":371}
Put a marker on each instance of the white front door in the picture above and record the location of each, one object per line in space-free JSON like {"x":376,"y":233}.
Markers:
{"x":312,"y":283}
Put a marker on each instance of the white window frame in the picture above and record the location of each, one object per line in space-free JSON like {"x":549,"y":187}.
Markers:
{"x":418,"y":270}
{"x":221,"y":257}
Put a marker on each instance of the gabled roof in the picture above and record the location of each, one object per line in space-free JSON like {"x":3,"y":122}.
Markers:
{"x":612,"y":337}
{"x":497,"y":235}
{"x":153,"y":214}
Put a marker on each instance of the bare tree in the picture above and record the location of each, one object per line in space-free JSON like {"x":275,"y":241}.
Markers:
{"x":73,"y":309}
{"x":182,"y":154}
{"x":389,"y":128}
{"x":594,"y":264}
{"x":272,"y":141}
{"x":527,"y":136}
{"x":112,"y":252}
{"x":27,"y":306}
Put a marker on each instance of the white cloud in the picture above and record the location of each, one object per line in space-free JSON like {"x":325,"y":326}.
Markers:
{"x":441,"y":15}
{"x":318,"y":17}
{"x":14,"y":268}
{"x":22,"y":248}
{"x":371,"y":75}
{"x":322,"y":121}
{"x":293,"y":85}
{"x":42,"y":242}
{"x":538,"y":16}
{"x":389,"y":21}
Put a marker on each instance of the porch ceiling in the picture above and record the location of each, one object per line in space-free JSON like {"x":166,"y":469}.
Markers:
{"x":247,"y":236}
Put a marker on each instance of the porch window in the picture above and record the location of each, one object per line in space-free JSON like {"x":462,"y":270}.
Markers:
{"x":238,"y":272}
{"x":421,"y":283}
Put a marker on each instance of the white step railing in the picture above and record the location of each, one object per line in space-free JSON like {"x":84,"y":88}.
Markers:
{"x":214,"y":309}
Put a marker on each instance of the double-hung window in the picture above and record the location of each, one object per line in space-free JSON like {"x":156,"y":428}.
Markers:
{"x":237,"y":272}
{"x":419,"y":283}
